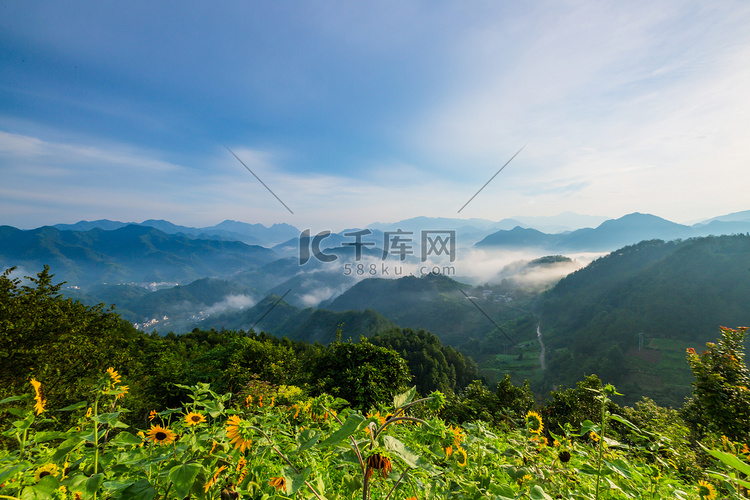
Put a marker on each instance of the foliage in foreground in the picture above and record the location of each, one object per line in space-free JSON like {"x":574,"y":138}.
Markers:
{"x":272,"y":443}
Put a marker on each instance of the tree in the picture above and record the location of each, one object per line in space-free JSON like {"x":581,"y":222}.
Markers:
{"x":58,"y":341}
{"x":721,"y":400}
{"x":363,"y":374}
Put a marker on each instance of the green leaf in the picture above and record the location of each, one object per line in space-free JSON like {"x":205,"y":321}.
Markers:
{"x":183,"y":477}
{"x":741,"y":482}
{"x":13,"y":470}
{"x":404,"y":398}
{"x":398,"y":448}
{"x":74,"y":406}
{"x":41,"y":437}
{"x":92,"y":484}
{"x":125,"y":438}
{"x":140,"y":490}
{"x":537,"y":493}
{"x":624,"y":421}
{"x":588,"y":425}
{"x":66,"y":447}
{"x":729,"y":460}
{"x":14,"y":398}
{"x":297,"y":480}
{"x":351,"y":425}
{"x":307,"y":439}
{"x":41,"y":490}
{"x":620,"y":467}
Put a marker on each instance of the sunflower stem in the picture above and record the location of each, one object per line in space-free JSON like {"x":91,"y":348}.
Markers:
{"x":601,"y":445}
{"x":397,"y":483}
{"x":279,"y":452}
{"x":96,"y":438}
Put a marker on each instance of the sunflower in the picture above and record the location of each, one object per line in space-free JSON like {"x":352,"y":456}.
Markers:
{"x":459,"y":461}
{"x":448,"y":451}
{"x":152,"y":415}
{"x":378,"y":461}
{"x":278,"y":482}
{"x":40,"y":401}
{"x":458,"y":435}
{"x":377,"y":416}
{"x":594,"y":436}
{"x":238,"y":432}
{"x":114,"y":376}
{"x":77,"y":495}
{"x":193,"y":418}
{"x":706,"y":490}
{"x":212,"y":481}
{"x":46,"y":470}
{"x":534,"y":422}
{"x":160,"y":435}
{"x":124,"y":389}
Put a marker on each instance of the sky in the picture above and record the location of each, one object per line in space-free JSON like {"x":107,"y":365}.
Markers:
{"x":352,"y":113}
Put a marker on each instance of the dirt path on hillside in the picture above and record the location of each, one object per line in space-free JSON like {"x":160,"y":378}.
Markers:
{"x":541,"y":354}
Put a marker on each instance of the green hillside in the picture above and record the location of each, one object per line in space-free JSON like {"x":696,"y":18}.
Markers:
{"x":675,"y":293}
{"x":124,"y":255}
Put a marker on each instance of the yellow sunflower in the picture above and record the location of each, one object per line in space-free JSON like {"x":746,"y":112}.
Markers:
{"x":193,"y":418}
{"x":114,"y":376}
{"x":461,"y":462}
{"x":212,"y":481}
{"x":534,"y":422}
{"x":160,"y":435}
{"x":377,"y":416}
{"x":458,"y":435}
{"x":239,"y":433}
{"x":124,"y":389}
{"x":278,"y":482}
{"x":152,"y":415}
{"x":706,"y":490}
{"x":40,"y":401}
{"x":594,"y":436}
{"x":448,"y":451}
{"x":46,"y":470}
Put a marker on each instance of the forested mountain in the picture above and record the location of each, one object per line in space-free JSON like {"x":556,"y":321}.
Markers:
{"x":275,"y":316}
{"x":611,"y":234}
{"x":674,"y":293}
{"x":433,"y":302}
{"x":229,"y":230}
{"x":127,"y":254}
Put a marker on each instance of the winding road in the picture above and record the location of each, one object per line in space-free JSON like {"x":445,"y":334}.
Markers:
{"x":541,"y":355}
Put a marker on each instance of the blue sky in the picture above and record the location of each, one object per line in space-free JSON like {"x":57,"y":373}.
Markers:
{"x":361,"y":112}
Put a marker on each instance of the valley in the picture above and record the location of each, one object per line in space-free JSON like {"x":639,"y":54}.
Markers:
{"x":626,"y":315}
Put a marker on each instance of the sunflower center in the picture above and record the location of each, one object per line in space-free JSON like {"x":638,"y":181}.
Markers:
{"x":45,"y":473}
{"x":195,"y":418}
{"x":160,"y":436}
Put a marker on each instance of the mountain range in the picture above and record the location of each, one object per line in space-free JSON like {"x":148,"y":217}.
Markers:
{"x":658,"y":288}
{"x":615,"y":233}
